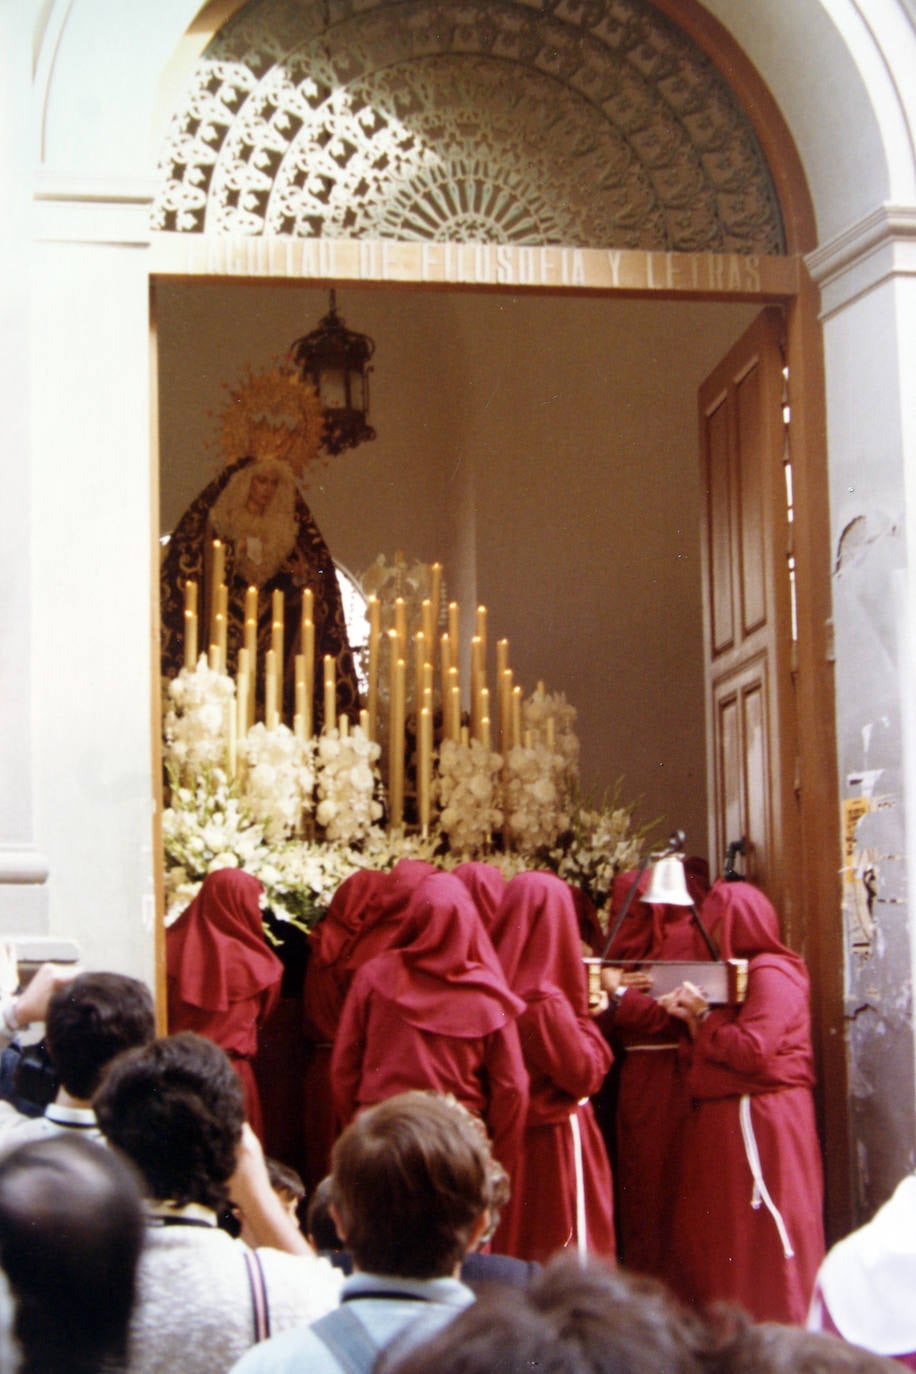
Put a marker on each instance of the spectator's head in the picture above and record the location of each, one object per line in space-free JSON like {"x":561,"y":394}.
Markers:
{"x":770,"y":1348}
{"x":90,"y":1020}
{"x":319,"y":1224}
{"x":574,"y":1319}
{"x":289,"y":1188}
{"x":71,"y":1230}
{"x":175,"y":1109}
{"x":411,"y":1186}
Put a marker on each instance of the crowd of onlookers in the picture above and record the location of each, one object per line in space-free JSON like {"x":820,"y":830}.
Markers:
{"x":143,"y":1230}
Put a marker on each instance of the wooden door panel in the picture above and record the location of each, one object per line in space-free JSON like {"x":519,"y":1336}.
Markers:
{"x":720,"y":538}
{"x":750,"y":457}
{"x":751,"y":728}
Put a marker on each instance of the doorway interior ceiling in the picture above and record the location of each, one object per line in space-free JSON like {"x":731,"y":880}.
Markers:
{"x":592,"y":123}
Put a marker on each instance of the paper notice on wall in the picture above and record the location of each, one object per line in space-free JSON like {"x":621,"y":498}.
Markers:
{"x":859,"y":874}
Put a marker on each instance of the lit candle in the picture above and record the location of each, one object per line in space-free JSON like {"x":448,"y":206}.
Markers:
{"x":396,"y":745}
{"x":214,"y":658}
{"x":343,"y":725}
{"x":426,"y":619}
{"x":482,"y":635}
{"x":516,"y":715}
{"x":375,"y":612}
{"x":217,"y":576}
{"x":222,"y":624}
{"x":308,"y":653}
{"x":435,"y":592}
{"x":420,"y":641}
{"x":364,"y":722}
{"x":330,"y":693}
{"x":475,"y":685}
{"x":550,"y":727}
{"x":505,"y":709}
{"x":251,"y":639}
{"x":485,"y":733}
{"x":465,"y":736}
{"x":190,"y":625}
{"x":445,"y":662}
{"x":218,"y":567}
{"x":271,"y":714}
{"x":483,"y":711}
{"x":454,"y":702}
{"x":276,"y":625}
{"x":300,"y":698}
{"x":400,"y":625}
{"x":454,"y":631}
{"x":424,"y":768}
{"x":242,"y":692}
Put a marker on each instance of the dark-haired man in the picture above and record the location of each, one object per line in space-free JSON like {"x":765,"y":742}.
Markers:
{"x":410,"y":1192}
{"x":174,"y":1108}
{"x":89,"y":1019}
{"x":71,"y":1230}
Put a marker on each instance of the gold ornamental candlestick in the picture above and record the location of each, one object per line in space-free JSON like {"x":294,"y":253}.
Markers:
{"x":190,"y":625}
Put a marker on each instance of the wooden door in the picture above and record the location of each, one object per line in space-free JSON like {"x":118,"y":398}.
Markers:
{"x":748,"y":620}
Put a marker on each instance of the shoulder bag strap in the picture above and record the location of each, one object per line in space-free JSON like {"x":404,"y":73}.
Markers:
{"x":347,"y":1339}
{"x":259,"y":1304}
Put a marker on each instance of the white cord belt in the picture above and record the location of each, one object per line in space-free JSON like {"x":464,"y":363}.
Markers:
{"x":581,"y":1223}
{"x":760,"y":1192}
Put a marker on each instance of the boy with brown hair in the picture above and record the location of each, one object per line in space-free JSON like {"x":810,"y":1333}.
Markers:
{"x":411,"y":1190}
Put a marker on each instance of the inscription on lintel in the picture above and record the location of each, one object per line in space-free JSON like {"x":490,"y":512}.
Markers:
{"x":469,"y":264}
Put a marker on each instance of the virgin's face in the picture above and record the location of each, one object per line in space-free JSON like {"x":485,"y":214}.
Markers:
{"x":262,"y":491}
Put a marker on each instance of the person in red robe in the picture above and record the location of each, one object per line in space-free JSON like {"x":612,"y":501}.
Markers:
{"x":652,"y":1099}
{"x":222,"y":979}
{"x":748,"y":1224}
{"x":435,"y":1012}
{"x":486,"y":884}
{"x":362,"y":919}
{"x":566,"y":1194}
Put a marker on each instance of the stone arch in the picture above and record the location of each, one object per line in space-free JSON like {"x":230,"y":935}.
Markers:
{"x":599,"y":124}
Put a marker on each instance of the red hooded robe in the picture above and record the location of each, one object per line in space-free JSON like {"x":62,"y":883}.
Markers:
{"x":748,"y":1224}
{"x":436,"y":1013}
{"x":566,"y":1193}
{"x":652,"y":1099}
{"x":222,"y":978}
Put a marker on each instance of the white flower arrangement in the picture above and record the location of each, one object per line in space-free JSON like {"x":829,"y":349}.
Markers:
{"x":278,"y":779}
{"x":543,"y":707}
{"x":195,"y":725}
{"x":205,"y":827}
{"x":599,"y":843}
{"x":347,"y":806}
{"x":534,"y":797}
{"x":517,"y":812}
{"x":468,"y":794}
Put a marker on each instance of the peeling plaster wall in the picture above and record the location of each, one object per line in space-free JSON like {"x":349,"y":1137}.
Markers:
{"x":870,"y":560}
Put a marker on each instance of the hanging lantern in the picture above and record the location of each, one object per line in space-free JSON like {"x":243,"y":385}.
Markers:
{"x":336,"y":362}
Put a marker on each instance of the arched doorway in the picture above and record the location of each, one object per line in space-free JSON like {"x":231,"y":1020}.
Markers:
{"x":307,"y":157}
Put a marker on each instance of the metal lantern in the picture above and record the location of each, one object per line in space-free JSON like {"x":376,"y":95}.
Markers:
{"x":335,"y":360}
